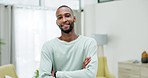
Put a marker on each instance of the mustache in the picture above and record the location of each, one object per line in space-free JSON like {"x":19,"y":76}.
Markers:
{"x":66,"y":31}
{"x":70,"y":23}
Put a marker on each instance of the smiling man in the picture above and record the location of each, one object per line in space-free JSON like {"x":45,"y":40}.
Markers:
{"x":70,"y":55}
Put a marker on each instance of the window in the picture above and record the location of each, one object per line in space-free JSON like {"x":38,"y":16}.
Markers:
{"x":33,"y":26}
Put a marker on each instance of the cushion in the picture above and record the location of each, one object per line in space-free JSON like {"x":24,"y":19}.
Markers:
{"x":7,"y":76}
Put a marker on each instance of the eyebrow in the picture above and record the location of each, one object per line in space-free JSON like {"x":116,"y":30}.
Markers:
{"x":64,"y":14}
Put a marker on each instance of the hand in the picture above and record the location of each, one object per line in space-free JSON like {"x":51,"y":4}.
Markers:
{"x":86,"y":62}
{"x":52,"y":72}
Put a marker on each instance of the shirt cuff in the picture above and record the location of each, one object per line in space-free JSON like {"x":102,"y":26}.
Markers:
{"x":59,"y":74}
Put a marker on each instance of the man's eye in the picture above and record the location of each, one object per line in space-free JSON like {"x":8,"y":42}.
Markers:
{"x":68,"y":15}
{"x":59,"y":17}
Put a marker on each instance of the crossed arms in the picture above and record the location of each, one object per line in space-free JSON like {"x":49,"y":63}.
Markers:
{"x":88,"y":70}
{"x":89,"y":66}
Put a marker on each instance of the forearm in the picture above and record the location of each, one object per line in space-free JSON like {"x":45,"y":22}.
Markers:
{"x":45,"y":69}
{"x":75,"y":74}
{"x":45,"y":75}
{"x":45,"y":65}
{"x":88,"y":72}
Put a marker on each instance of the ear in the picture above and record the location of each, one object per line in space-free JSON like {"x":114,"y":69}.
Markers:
{"x":74,"y":18}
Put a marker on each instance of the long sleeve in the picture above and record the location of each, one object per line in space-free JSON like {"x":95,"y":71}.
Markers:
{"x":91,"y":69}
{"x":45,"y":63}
{"x":67,"y":58}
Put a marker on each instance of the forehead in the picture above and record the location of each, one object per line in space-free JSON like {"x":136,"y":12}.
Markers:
{"x":63,"y":10}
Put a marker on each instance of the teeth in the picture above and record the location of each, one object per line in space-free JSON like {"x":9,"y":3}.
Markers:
{"x":66,"y":25}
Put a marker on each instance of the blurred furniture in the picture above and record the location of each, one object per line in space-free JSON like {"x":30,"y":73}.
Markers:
{"x":132,"y":70}
{"x":101,"y":40}
{"x":103,"y":71}
{"x":8,"y":70}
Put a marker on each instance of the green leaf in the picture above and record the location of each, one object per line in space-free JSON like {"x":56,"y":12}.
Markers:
{"x":1,"y":42}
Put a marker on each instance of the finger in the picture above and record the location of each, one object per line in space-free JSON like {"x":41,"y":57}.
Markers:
{"x":87,"y":61}
{"x":85,"y":64}
{"x":52,"y":73}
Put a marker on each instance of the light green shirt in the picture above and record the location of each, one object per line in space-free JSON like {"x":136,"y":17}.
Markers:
{"x":67,"y":58}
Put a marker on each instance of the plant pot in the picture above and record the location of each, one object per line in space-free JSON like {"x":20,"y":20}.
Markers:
{"x":144,"y":60}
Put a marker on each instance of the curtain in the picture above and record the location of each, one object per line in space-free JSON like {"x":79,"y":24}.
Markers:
{"x":6,"y":30}
{"x":33,"y":26}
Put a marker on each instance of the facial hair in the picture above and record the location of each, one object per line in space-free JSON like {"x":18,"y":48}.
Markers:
{"x":69,"y":30}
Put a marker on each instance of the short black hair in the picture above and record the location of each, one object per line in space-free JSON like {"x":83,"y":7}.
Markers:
{"x":67,"y":7}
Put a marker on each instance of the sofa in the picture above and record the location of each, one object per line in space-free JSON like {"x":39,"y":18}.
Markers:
{"x":8,"y":70}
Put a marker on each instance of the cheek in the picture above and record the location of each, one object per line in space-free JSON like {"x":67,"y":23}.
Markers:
{"x":58,"y":22}
{"x":73,"y":21}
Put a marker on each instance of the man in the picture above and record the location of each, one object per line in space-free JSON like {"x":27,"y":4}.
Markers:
{"x":70,"y":55}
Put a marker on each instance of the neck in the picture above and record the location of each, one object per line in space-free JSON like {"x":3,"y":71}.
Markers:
{"x":68,"y":36}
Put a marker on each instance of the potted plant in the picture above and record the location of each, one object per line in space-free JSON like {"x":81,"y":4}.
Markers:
{"x":1,"y":42}
{"x":36,"y":74}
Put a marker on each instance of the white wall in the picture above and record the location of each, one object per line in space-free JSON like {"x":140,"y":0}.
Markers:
{"x":89,"y":19}
{"x":126,"y":23}
{"x":87,"y":2}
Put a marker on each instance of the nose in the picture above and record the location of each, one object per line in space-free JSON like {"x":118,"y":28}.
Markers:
{"x":64,"y":19}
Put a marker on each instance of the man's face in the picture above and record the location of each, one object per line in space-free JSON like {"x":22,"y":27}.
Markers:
{"x":65,"y":19}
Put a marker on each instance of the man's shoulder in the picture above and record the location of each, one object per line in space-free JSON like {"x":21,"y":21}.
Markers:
{"x":49,"y":42}
{"x":87,"y":38}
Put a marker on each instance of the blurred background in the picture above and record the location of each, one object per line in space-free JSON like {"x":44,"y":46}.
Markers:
{"x":26,"y":24}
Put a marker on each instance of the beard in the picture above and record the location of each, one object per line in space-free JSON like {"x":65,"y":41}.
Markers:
{"x":68,"y":30}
